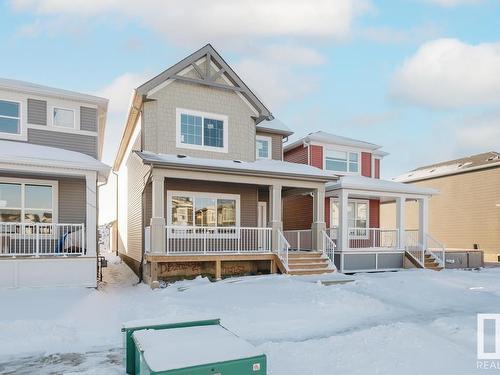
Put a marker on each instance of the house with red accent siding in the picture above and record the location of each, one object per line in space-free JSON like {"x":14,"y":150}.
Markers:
{"x":352,"y":206}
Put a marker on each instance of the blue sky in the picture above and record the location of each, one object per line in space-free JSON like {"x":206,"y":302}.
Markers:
{"x":420,"y":77}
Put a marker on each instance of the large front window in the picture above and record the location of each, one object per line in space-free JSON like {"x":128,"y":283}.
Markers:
{"x":202,"y":130}
{"x":203,"y":209}
{"x":342,"y":161}
{"x":26,"y":203}
{"x":357,"y":217}
{"x":9,"y":117}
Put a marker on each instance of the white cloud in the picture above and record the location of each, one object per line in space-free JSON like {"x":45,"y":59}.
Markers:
{"x":119,"y":92}
{"x":196,"y":20}
{"x":448,"y":73}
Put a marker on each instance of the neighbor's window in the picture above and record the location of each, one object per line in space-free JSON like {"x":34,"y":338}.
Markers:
{"x":64,"y":118}
{"x":9,"y":117}
{"x":342,"y":161}
{"x":357,"y":217}
{"x":263,"y":147}
{"x":202,"y":130}
{"x":203,"y":210}
{"x":36,"y":207}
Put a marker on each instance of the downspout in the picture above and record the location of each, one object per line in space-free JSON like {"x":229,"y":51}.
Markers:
{"x":306,"y":144}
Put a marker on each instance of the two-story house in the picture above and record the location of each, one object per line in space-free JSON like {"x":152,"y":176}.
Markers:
{"x":50,"y":146}
{"x":201,"y":178}
{"x":352,"y":207}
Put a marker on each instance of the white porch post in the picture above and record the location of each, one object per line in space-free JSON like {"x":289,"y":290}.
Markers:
{"x":91,"y":213}
{"x":158,"y":216}
{"x":318,"y":224}
{"x":423,"y":223}
{"x":275,"y":221}
{"x":343,"y":230}
{"x":401,"y":221}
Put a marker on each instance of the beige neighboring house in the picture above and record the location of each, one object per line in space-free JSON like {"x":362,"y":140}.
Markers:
{"x":466,"y":213}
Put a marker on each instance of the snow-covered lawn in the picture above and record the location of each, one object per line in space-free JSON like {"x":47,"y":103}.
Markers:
{"x":409,"y":322}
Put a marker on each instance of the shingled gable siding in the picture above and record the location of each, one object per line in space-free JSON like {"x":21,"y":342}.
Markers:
{"x":366,"y":164}
{"x":248,"y":195}
{"x":88,"y":119}
{"x":37,"y":112}
{"x":86,"y":144}
{"x":297,"y":155}
{"x":377,"y":168}
{"x":276,"y":145}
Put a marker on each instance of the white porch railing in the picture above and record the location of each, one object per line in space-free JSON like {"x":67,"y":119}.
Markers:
{"x":418,"y":251}
{"x":299,"y":239}
{"x":283,"y":249}
{"x":437,"y":249}
{"x":328,"y":247}
{"x":40,"y":239}
{"x":210,"y":240}
{"x":373,"y":238}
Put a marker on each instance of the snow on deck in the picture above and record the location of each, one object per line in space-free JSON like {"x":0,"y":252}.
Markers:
{"x":408,"y":322}
{"x":191,"y":346}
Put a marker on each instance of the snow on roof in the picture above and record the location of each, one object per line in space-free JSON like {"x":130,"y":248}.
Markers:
{"x":274,"y":125}
{"x":265,"y":166}
{"x":178,"y":348}
{"x":375,"y":184}
{"x":29,"y":154}
{"x":324,"y":137}
{"x":474,"y":162}
{"x":23,"y":86}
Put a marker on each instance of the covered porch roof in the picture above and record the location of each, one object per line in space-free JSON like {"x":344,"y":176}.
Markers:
{"x":273,"y":168}
{"x":27,"y":154}
{"x":375,"y":185}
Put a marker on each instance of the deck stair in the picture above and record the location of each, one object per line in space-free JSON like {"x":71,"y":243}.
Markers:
{"x":432,"y":263}
{"x":308,"y":263}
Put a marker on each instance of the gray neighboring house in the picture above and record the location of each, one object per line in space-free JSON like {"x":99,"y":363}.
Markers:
{"x":50,"y":149}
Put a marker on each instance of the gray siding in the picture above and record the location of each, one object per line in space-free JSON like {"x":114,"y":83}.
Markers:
{"x":88,"y":119}
{"x":37,"y":112}
{"x":72,"y":197}
{"x":85,"y":144}
{"x":276,"y":145}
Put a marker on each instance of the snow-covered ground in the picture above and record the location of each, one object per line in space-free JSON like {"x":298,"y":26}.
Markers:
{"x":409,"y":322}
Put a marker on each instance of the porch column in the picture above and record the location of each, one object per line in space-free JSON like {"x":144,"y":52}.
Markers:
{"x":401,"y":221}
{"x":318,"y":224}
{"x":423,"y":221}
{"x":275,"y":213}
{"x":91,"y":213}
{"x":343,"y":230}
{"x":158,"y":217}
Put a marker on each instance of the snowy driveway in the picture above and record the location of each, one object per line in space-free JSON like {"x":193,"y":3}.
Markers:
{"x":409,"y":322}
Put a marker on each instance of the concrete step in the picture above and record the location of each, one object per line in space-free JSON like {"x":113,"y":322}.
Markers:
{"x":310,"y":271}
{"x":307,"y":260}
{"x":318,"y":265}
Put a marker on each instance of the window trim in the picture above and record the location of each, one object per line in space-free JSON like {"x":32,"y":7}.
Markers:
{"x":199,"y":194}
{"x":347,"y":150}
{"x":25,"y":181}
{"x":269,"y":148}
{"x":54,"y":107}
{"x":19,"y":126}
{"x":214,"y":116}
{"x":367,"y":201}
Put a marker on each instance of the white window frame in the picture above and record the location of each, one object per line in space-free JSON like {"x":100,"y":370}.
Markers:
{"x":203,"y":115}
{"x":65,"y":109}
{"x":269,"y":141}
{"x":348,"y":151}
{"x":23,"y":182}
{"x":193,"y":195}
{"x":355,"y":201}
{"x":19,"y":119}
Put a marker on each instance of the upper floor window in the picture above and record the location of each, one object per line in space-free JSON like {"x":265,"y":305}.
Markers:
{"x":342,"y":161}
{"x":63,"y":117}
{"x":201,"y":130}
{"x":263,"y":147}
{"x":9,"y":117}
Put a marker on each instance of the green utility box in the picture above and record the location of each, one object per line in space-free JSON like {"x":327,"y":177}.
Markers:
{"x":201,"y":347}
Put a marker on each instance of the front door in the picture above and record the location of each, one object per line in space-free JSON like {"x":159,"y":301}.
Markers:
{"x":262,"y":222}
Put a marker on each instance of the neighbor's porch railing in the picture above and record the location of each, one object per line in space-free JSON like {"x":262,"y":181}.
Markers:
{"x":209,"y":240}
{"x":373,"y":238}
{"x":418,"y":251}
{"x":283,"y":249}
{"x":437,"y":249}
{"x":299,"y":239}
{"x":40,"y":239}
{"x":329,"y":247}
